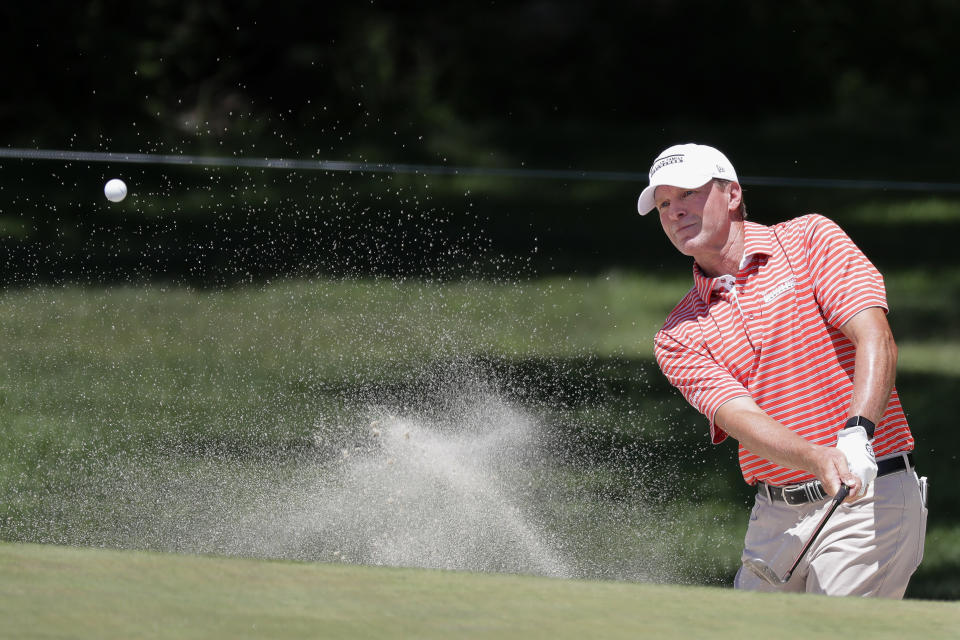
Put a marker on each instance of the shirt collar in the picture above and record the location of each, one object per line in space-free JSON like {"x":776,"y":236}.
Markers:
{"x":757,"y":240}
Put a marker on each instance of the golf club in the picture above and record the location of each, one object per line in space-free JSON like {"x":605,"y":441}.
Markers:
{"x":765,"y":571}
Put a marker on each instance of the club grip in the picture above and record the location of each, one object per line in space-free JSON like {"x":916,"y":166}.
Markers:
{"x":842,"y":493}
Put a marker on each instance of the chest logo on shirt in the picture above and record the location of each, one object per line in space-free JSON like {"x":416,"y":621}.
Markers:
{"x":779,"y":290}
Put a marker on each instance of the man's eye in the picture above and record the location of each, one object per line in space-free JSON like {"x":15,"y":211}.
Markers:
{"x":664,"y":204}
{"x":688,"y":192}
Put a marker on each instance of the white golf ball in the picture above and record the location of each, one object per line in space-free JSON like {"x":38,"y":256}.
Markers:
{"x":115,"y":190}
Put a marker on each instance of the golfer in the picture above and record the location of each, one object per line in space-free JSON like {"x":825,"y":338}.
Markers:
{"x":783,"y":344}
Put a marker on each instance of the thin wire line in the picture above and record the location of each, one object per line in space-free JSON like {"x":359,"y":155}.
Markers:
{"x":424,"y":169}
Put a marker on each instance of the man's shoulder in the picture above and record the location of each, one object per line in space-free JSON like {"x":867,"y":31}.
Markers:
{"x":802,"y":225}
{"x":806,"y":231}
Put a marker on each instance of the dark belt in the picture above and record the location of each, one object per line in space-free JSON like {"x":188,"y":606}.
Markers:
{"x":813,"y":491}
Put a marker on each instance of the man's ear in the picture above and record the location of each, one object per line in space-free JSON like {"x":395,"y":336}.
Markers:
{"x":736,"y":196}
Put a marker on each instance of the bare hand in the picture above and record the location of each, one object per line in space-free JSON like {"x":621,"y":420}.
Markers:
{"x":831,"y":469}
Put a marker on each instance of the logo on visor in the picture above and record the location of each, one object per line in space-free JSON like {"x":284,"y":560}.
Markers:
{"x":666,"y":161}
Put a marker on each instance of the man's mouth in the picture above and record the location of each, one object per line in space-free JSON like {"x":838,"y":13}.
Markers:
{"x":683,"y":228}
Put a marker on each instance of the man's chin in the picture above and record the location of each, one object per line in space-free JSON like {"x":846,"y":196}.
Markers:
{"x":686,"y":247}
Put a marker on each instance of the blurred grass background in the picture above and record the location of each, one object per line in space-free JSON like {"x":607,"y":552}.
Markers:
{"x":218,"y":381}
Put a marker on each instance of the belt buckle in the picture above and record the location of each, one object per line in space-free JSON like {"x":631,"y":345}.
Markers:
{"x":804,"y":493}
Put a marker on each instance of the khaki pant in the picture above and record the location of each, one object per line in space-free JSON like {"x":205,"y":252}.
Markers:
{"x":868,"y":548}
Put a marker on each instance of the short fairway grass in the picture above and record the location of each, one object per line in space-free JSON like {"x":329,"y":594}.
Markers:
{"x":62,"y":592}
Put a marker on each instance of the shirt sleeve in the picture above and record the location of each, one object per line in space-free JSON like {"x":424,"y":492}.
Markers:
{"x":700,"y":379}
{"x":845,"y":282}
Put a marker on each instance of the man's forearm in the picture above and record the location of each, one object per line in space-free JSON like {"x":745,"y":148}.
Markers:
{"x":875,"y":364}
{"x":760,"y":434}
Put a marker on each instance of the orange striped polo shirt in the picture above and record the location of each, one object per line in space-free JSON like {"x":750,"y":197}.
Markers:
{"x":771,"y":333}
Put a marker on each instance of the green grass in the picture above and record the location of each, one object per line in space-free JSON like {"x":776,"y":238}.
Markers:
{"x":178,"y":390}
{"x":57,"y":592}
{"x":156,"y":362}
{"x":911,"y":212}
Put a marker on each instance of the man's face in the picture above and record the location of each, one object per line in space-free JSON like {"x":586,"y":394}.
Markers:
{"x":697,"y":221}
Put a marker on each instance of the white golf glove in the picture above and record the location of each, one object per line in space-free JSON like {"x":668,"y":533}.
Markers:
{"x":855,"y":445}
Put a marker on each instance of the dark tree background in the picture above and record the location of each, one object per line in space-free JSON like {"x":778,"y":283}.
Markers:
{"x":297,"y":76}
{"x":802,"y":89}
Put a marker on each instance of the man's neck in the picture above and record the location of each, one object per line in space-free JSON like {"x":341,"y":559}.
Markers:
{"x":725,"y":261}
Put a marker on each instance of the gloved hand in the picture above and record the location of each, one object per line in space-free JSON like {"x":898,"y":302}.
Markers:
{"x":855,"y":445}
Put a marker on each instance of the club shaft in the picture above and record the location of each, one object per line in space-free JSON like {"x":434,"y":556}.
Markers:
{"x":837,"y":499}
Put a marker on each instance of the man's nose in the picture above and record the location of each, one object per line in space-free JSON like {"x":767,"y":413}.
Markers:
{"x":677,"y":211}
